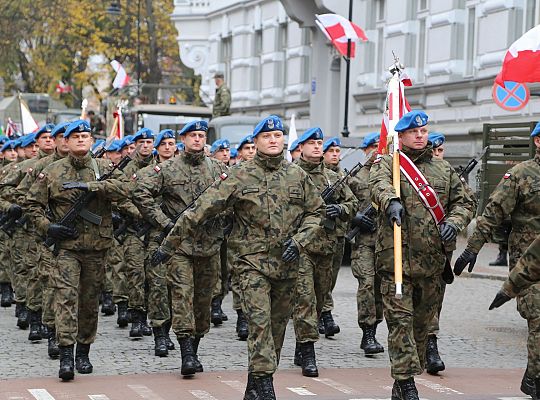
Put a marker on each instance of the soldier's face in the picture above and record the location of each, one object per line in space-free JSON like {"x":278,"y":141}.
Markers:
{"x":415,"y":138}
{"x":439,"y":153}
{"x":21,"y":153}
{"x":194,"y":141}
{"x":79,"y":143}
{"x":270,"y":143}
{"x":332,"y":155}
{"x":166,"y":149}
{"x":537,"y":142}
{"x":146,"y":146}
{"x":312,"y":150}
{"x":114,"y":156}
{"x":46,"y":142}
{"x":61,"y":144}
{"x":223,"y":155}
{"x":247,"y":152}
{"x":10,"y":154}
{"x":31,"y":151}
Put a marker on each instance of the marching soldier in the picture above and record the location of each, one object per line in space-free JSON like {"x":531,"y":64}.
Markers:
{"x":516,"y":197}
{"x":221,"y":151}
{"x":424,"y":239}
{"x":81,"y":248}
{"x":295,"y":150}
{"x":222,"y":99}
{"x":246,"y":148}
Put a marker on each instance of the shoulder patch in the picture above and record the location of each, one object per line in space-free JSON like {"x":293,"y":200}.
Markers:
{"x":507,"y":175}
{"x":15,"y":167}
{"x":134,"y":177}
{"x":29,"y":170}
{"x":157,"y":168}
{"x":377,"y":160}
{"x":41,"y":176}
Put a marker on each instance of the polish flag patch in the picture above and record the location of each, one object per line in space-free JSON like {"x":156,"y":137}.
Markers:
{"x":507,"y":175}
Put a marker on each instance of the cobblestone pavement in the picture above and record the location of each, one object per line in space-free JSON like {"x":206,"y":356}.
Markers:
{"x":471,"y":337}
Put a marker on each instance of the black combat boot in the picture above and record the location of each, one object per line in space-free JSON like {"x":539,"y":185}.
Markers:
{"x":537,"y":384}
{"x":5,"y":293}
{"x":309,"y":365}
{"x":528,"y":385}
{"x":198,"y":366}
{"x":215,"y":313}
{"x":265,"y":388}
{"x":330,"y":327}
{"x":242,"y":326}
{"x":107,"y":305}
{"x":122,"y":320}
{"x":434,"y":363}
{"x":224,"y":316}
{"x":166,"y":330}
{"x":160,"y":345}
{"x":136,"y":330}
{"x":251,"y":390}
{"x":189,"y":362}
{"x":501,"y":260}
{"x":369,"y":343}
{"x":22,"y":317}
{"x":82,"y":362}
{"x":66,"y":372}
{"x":52,"y":344}
{"x":320,"y":326}
{"x":297,"y":355}
{"x":404,"y":390}
{"x":35,"y":325}
{"x":146,"y":330}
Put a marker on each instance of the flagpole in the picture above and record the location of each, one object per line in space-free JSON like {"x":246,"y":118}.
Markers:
{"x":345,"y":131}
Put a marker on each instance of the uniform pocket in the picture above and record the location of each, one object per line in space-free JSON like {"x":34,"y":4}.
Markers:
{"x":296,"y":194}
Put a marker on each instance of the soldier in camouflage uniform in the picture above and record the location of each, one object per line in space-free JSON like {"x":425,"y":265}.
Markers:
{"x":222,"y":99}
{"x":423,"y":242}
{"x":316,"y":265}
{"x":193,"y":269}
{"x":516,"y":197}
{"x":277,"y":212}
{"x":81,"y":249}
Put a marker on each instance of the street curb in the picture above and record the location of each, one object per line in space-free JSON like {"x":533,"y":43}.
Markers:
{"x":482,"y":275}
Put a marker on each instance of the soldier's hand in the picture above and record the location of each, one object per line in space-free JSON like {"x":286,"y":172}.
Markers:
{"x":159,"y":257}
{"x":394,"y":212}
{"x":14,"y":211}
{"x":468,"y":257}
{"x":116,"y":219}
{"x":62,"y":232}
{"x":75,"y":185}
{"x":499,"y":300}
{"x":333,"y":211}
{"x":448,"y":232}
{"x":291,"y":252}
{"x":364,"y":223}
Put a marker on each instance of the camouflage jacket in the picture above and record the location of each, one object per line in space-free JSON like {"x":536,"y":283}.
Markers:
{"x":516,"y":196}
{"x":359,"y":185}
{"x":126,"y":207}
{"x":342,"y":225}
{"x":273,"y":200}
{"x":178,"y":181}
{"x":423,"y":251}
{"x":47,"y":192}
{"x":222,"y":102}
{"x":323,"y":177}
{"x":526,"y":271}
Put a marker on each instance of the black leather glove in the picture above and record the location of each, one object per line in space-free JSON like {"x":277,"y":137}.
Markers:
{"x":159,"y":257}
{"x":62,"y":232}
{"x":227,"y":229}
{"x":291,"y":252}
{"x":448,"y":232}
{"x":499,"y":300}
{"x":116,"y":219}
{"x":468,"y":257}
{"x":333,"y":211}
{"x":394,"y":212}
{"x":364,"y":223}
{"x":14,"y":211}
{"x":75,"y":185}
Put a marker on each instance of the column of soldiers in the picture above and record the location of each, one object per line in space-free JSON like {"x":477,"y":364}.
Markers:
{"x":185,"y":222}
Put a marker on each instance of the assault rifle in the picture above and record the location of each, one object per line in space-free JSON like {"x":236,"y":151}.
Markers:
{"x":161,"y":237}
{"x":370,"y":212}
{"x":79,"y":206}
{"x":464,"y":171}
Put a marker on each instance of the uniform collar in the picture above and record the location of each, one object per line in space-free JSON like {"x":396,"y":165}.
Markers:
{"x":193,"y":158}
{"x":80,"y":162}
{"x":309,"y":166}
{"x":332,"y":167}
{"x":422,"y":155}
{"x":269,"y":162}
{"x":537,"y":155}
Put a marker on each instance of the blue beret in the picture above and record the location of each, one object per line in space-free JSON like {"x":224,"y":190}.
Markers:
{"x":128,"y":140}
{"x":3,"y":139}
{"x":270,"y":123}
{"x":164,"y":134}
{"x":28,"y":140}
{"x":97,"y":144}
{"x":312,"y":133}
{"x":536,"y":130}
{"x":199,"y":125}
{"x":245,"y":140}
{"x":77,"y":126}
{"x":331,"y":142}
{"x":234,"y":153}
{"x":370,"y":139}
{"x":294,"y":146}
{"x":60,"y":128}
{"x":143,"y":133}
{"x":47,"y":128}
{"x":180,"y":146}
{"x":220,"y":144}
{"x":413,"y":119}
{"x":154,"y":152}
{"x":116,"y":145}
{"x":10,"y":144}
{"x":436,"y":139}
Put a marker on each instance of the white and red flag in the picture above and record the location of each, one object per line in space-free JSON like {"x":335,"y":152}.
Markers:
{"x":62,"y":87}
{"x":339,"y":30}
{"x":122,"y":78}
{"x":12,"y":131}
{"x":522,"y":60}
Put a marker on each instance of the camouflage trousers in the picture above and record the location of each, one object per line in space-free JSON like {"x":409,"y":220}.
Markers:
{"x":35,"y":283}
{"x":528,"y":305}
{"x":434,"y":327}
{"x":235,"y":282}
{"x":312,"y":288}
{"x":336,"y":265}
{"x":267,"y":304}
{"x":158,"y":302}
{"x":192,"y":281}
{"x":46,"y":266}
{"x":368,"y":295}
{"x":407,"y":320}
{"x":116,"y":265}
{"x":77,"y":281}
{"x":23,"y":260}
{"x":5,"y":258}
{"x":222,"y":283}
{"x":134,"y":255}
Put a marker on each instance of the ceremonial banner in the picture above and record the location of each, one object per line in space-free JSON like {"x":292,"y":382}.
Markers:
{"x":339,"y":30}
{"x":122,"y":78}
{"x":292,"y":137}
{"x":28,"y":123}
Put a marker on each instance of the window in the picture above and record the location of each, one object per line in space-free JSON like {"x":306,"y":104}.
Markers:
{"x":530,"y":14}
{"x":257,"y":51}
{"x":380,"y":10}
{"x":470,"y":41}
{"x":226,"y":54}
{"x":421,"y":50}
{"x":422,"y":5}
{"x":281,"y":46}
{"x":306,"y":41}
{"x":380,"y":47}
